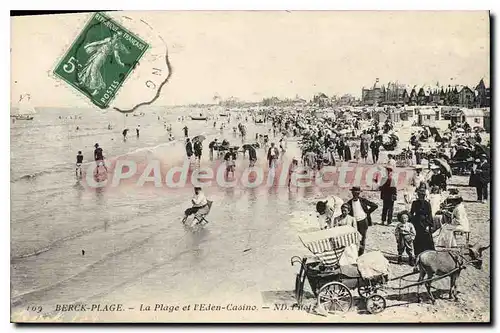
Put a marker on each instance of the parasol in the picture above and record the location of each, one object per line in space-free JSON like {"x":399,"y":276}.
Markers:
{"x":199,"y":138}
{"x":249,"y":148}
{"x":443,"y":165}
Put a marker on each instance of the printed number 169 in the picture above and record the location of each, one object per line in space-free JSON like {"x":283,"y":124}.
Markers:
{"x":35,"y":308}
{"x":69,"y":67}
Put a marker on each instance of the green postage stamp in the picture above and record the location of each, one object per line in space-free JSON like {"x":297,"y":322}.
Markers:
{"x":101,"y":59}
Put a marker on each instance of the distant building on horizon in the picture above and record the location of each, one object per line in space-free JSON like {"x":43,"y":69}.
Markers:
{"x":395,"y":93}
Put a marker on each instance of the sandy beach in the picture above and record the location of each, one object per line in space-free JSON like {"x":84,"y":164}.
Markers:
{"x":138,"y":254}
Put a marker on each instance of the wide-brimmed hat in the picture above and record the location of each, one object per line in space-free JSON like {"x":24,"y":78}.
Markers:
{"x":417,"y":167}
{"x":434,"y":166}
{"x":355,"y":189}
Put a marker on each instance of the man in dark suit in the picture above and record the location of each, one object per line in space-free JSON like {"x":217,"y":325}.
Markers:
{"x":388,"y":194}
{"x":361,"y":209}
{"x":483,"y":177}
{"x":375,"y":147}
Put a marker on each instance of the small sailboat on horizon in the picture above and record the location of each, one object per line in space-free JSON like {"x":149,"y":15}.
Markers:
{"x":24,"y":111}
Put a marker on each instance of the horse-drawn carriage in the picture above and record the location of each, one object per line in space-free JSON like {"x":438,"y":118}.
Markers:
{"x":331,"y":282}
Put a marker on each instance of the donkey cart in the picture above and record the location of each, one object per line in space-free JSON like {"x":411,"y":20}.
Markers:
{"x":332,"y":282}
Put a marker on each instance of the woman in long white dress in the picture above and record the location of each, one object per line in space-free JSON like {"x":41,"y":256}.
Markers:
{"x":456,"y":222}
{"x":90,"y":76}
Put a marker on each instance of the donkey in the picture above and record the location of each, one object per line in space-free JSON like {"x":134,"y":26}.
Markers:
{"x":439,"y":263}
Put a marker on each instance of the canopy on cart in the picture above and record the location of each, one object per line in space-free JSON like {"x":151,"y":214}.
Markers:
{"x":328,"y":245}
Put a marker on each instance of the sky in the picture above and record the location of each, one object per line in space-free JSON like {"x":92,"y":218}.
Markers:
{"x":251,"y":55}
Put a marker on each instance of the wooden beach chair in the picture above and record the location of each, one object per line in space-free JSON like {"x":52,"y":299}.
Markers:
{"x":199,"y":216}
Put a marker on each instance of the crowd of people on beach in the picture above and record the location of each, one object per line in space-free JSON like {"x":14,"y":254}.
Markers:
{"x":433,"y":213}
{"x":436,"y":215}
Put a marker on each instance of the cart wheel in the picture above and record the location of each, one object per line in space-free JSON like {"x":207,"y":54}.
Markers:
{"x":335,"y":297}
{"x":375,"y":304}
{"x":365,"y":291}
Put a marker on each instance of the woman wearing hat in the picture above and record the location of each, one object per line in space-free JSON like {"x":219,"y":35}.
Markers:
{"x":421,"y":218}
{"x":473,"y":179}
{"x":457,"y":221}
{"x":438,"y":178}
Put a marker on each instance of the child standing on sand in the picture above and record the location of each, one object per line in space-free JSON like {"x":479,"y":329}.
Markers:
{"x":405,"y":235}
